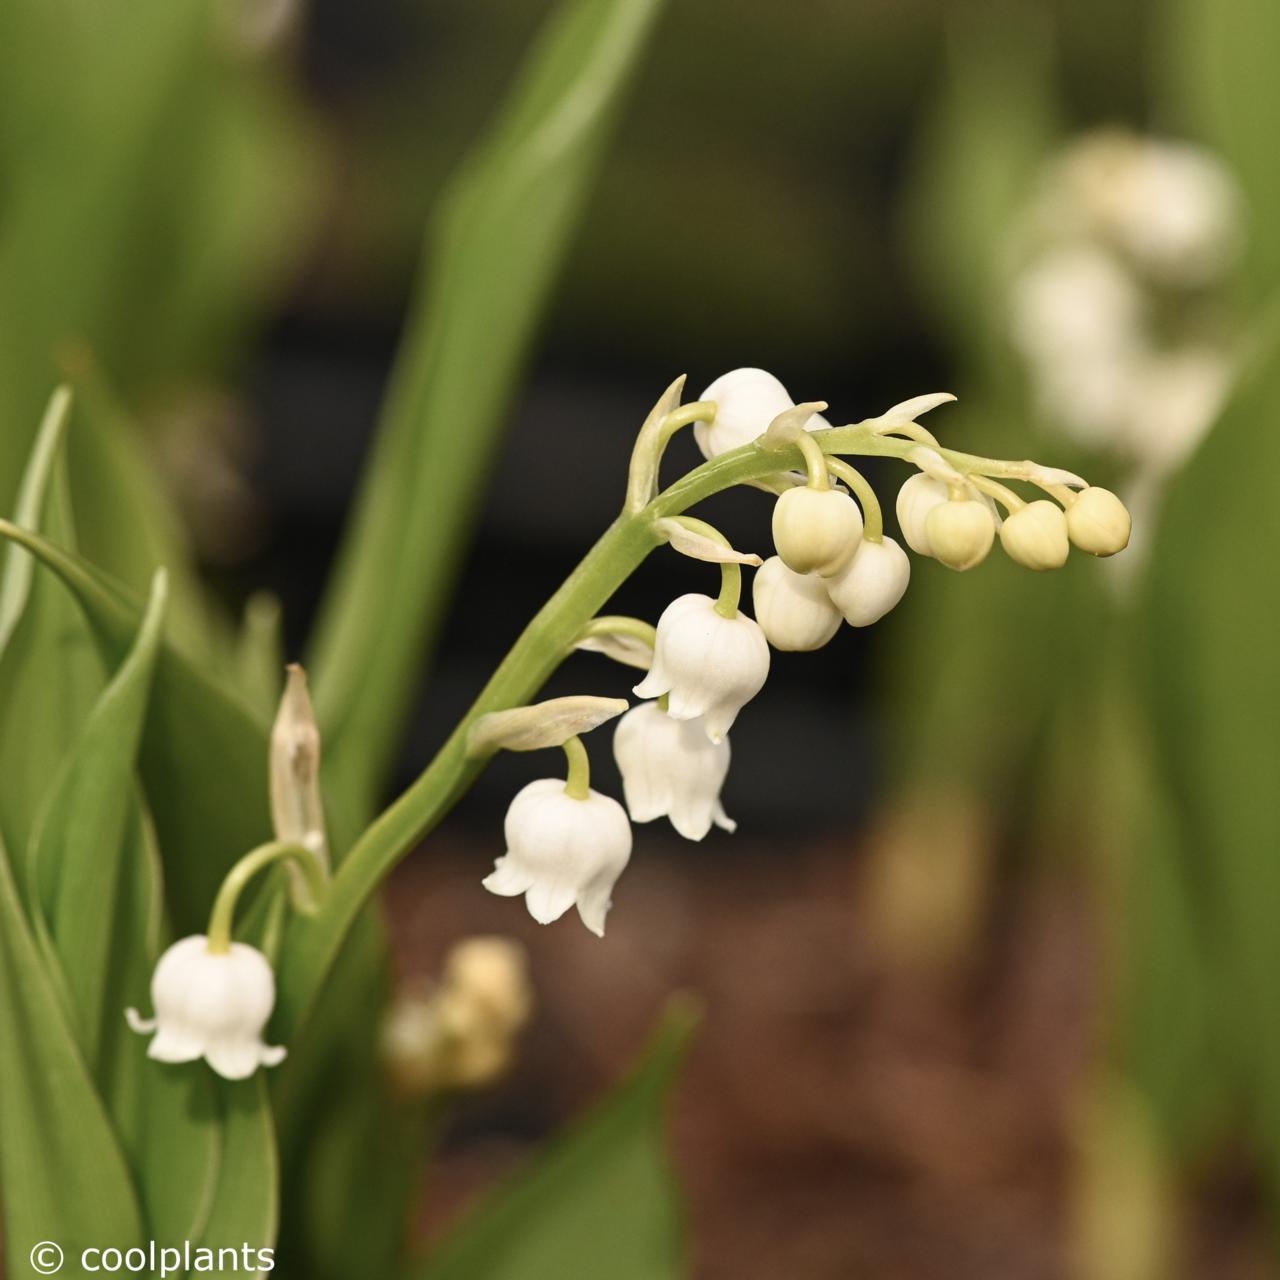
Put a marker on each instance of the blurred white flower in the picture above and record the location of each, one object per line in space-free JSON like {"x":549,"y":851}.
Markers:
{"x":710,"y":666}
{"x":211,"y":1005}
{"x":747,"y":401}
{"x":562,"y":851}
{"x":871,"y":583}
{"x":671,"y":769}
{"x":793,"y":609}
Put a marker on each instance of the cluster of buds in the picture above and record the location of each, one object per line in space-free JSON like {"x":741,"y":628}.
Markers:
{"x":460,"y":1033}
{"x":1117,"y":293}
{"x":567,"y":844}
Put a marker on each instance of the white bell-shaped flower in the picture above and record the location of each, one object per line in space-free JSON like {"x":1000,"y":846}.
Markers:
{"x":917,"y":497}
{"x":562,"y":851}
{"x":871,"y":583}
{"x":707,"y":664}
{"x":793,"y":609}
{"x":211,"y":1005}
{"x":671,"y":769}
{"x":747,"y":401}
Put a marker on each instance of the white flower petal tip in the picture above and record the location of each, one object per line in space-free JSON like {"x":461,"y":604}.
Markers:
{"x":673,"y":769}
{"x":747,"y":401}
{"x":909,"y":410}
{"x":562,"y":851}
{"x":874,"y":581}
{"x":710,"y":666}
{"x":793,"y":609}
{"x":212,"y":1006}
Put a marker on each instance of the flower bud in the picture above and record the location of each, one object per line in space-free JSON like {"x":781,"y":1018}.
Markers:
{"x":816,"y":530}
{"x":917,"y":497}
{"x":747,"y":401}
{"x":871,"y":583}
{"x":960,"y":532}
{"x":1098,"y":522}
{"x":793,"y":609}
{"x":1036,"y":535}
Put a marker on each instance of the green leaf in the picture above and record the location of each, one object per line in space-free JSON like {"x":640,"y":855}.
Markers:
{"x":203,"y":755}
{"x":494,"y":252}
{"x":49,"y":673}
{"x":246,"y":1206}
{"x":1212,"y":683}
{"x":63,"y":1175}
{"x":600,"y":1201}
{"x":79,"y":848}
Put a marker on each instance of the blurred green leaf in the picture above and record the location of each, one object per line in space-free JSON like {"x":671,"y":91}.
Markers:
{"x":49,"y":673}
{"x":1208,"y":636}
{"x":600,"y":1201}
{"x":203,"y":754}
{"x":493,"y":254}
{"x":79,"y":847}
{"x":64,"y":1176}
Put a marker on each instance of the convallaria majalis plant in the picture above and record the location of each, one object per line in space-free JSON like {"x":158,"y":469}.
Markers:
{"x":212,"y":996}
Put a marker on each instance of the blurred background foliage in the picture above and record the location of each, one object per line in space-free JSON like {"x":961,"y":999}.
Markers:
{"x":210,"y":220}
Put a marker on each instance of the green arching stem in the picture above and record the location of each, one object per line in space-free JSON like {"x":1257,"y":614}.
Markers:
{"x":313,"y":943}
{"x":222,"y":917}
{"x":872,"y":516}
{"x":685,"y":416}
{"x":1064,"y":494}
{"x":815,"y":461}
{"x":730,"y":574}
{"x":1003,"y":495}
{"x":578,"y":782}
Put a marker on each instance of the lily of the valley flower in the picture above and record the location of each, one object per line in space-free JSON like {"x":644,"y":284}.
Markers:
{"x":710,"y":666}
{"x":671,"y":769}
{"x":1036,"y":535}
{"x":1098,"y":522}
{"x":871,"y":583}
{"x":794,"y":610}
{"x":916,"y":499}
{"x":746,"y":400}
{"x":211,"y":1005}
{"x":816,"y":530}
{"x":960,"y":532}
{"x":562,"y":851}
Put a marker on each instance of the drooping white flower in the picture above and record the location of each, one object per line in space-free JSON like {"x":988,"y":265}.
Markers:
{"x":709,"y":665}
{"x":793,"y":609}
{"x":747,"y":400}
{"x":562,"y":851}
{"x":871,"y":583}
{"x":211,"y":1005}
{"x":671,"y":769}
{"x":816,"y":530}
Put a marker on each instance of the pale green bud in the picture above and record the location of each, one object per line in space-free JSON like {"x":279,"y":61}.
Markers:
{"x":960,"y":532}
{"x":816,"y":530}
{"x":793,"y":609}
{"x":1036,"y":535}
{"x":1098,"y":522}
